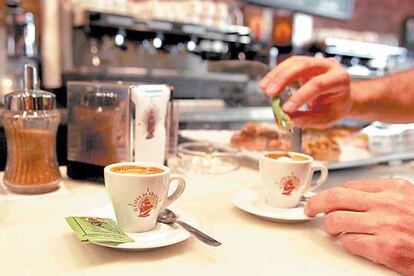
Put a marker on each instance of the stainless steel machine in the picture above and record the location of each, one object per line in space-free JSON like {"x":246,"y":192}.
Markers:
{"x":18,"y":46}
{"x":106,"y":46}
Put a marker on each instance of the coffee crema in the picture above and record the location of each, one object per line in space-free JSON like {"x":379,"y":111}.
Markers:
{"x":293,"y":157}
{"x":134,"y":169}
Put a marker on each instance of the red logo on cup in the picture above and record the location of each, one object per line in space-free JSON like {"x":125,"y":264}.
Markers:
{"x":144,"y":203}
{"x":289,"y":184}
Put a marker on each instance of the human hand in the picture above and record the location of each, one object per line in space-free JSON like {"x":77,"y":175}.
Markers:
{"x":325,"y":87}
{"x":373,"y":219}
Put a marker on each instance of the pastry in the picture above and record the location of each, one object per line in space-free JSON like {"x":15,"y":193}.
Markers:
{"x":258,"y":137}
{"x":320,"y":144}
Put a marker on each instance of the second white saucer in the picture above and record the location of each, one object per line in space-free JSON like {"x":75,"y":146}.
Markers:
{"x":250,"y":200}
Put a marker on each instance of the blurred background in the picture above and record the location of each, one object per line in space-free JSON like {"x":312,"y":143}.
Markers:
{"x":212,"y":52}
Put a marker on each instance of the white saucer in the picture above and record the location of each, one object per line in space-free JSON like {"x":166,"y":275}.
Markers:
{"x":162,"y":235}
{"x":251,"y":201}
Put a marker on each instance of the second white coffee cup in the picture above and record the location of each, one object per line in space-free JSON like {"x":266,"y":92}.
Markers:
{"x":137,"y":199}
{"x":286,"y":180}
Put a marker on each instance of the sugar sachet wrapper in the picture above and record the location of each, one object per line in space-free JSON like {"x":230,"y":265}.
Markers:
{"x":97,"y":230}
{"x":282,"y":120}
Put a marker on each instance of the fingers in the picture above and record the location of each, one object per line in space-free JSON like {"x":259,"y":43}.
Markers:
{"x":325,"y":86}
{"x":293,"y":69}
{"x":379,"y":185}
{"x":392,"y":251}
{"x":334,"y":95}
{"x":349,"y":222}
{"x":315,"y":87}
{"x":368,"y":185}
{"x":313,"y":119}
{"x":366,"y":246}
{"x":324,"y":111}
{"x":338,"y":199}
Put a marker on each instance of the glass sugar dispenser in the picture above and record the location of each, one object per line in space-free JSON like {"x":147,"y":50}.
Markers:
{"x":30,"y":120}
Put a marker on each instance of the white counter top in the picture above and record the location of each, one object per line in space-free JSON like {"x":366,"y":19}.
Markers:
{"x":35,"y":239}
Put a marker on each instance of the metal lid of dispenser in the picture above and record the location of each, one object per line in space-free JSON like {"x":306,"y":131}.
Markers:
{"x":30,"y":98}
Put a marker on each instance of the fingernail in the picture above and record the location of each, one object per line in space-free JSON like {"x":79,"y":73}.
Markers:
{"x":272,"y":89}
{"x":289,"y":107}
{"x":268,"y":91}
{"x":263,"y":83}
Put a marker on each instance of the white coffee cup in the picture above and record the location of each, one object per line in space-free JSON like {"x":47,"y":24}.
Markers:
{"x":286,"y":180}
{"x":137,"y":199}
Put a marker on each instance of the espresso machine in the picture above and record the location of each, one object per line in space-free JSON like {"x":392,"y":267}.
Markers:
{"x":105,"y":45}
{"x":18,"y":46}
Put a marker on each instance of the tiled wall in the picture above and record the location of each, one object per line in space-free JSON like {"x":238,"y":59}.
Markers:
{"x":382,"y":16}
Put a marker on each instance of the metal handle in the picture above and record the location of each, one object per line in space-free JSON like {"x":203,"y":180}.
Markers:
{"x":29,"y":77}
{"x":198,"y":234}
{"x":297,"y":140}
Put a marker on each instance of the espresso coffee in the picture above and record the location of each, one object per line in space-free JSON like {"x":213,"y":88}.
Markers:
{"x":133,"y":169}
{"x":287,"y":156}
{"x":139,"y":192}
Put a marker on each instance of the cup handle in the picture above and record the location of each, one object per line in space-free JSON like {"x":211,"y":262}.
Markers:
{"x":318,"y":166}
{"x":177,"y":193}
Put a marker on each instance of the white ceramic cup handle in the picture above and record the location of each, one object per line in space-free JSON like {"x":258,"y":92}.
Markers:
{"x":318,"y":166}
{"x":178,"y":191}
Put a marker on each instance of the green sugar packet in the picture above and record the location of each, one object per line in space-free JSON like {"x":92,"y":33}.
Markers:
{"x":282,"y":120}
{"x":97,"y":230}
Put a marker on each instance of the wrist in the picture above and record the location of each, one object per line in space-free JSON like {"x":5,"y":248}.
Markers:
{"x":355,"y":103}
{"x":352,"y":113}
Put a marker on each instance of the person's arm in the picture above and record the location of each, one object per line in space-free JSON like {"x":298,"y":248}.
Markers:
{"x":331,"y":96}
{"x":325,"y":88}
{"x":389,"y":99}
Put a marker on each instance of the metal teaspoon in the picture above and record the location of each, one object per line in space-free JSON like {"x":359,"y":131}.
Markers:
{"x":169,"y":217}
